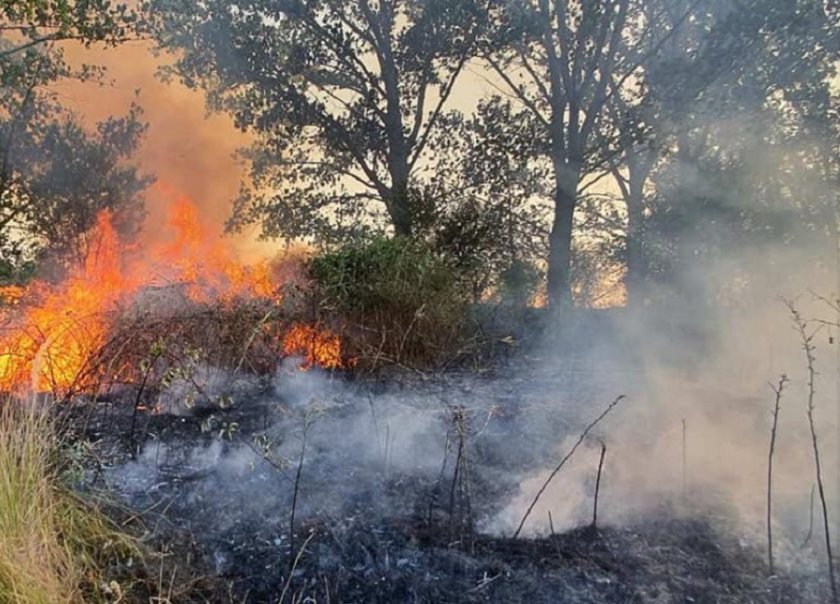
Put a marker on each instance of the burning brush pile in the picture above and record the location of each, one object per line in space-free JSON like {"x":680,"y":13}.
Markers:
{"x":128,"y":315}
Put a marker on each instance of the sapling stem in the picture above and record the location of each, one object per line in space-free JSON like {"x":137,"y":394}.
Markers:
{"x":806,"y":336}
{"x":777,"y":391}
{"x":598,"y":486}
{"x":563,"y":461}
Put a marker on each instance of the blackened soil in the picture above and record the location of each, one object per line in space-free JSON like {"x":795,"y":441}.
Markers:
{"x":381,"y":534}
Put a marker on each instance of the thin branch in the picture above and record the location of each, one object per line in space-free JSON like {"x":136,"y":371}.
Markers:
{"x":777,"y":391}
{"x":563,"y":461}
{"x":598,"y":486}
{"x":518,"y":92}
{"x":807,"y":339}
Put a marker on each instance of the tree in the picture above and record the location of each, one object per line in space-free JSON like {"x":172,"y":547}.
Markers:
{"x":343,"y":97}
{"x":483,"y":205}
{"x":38,"y":22}
{"x":737,"y":96}
{"x":55,"y":175}
{"x":563,"y":61}
{"x":61,"y":176}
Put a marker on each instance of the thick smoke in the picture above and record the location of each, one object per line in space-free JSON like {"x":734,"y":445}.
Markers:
{"x":189,"y":150}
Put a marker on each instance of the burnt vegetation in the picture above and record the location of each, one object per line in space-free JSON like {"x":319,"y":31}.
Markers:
{"x":534,"y":263}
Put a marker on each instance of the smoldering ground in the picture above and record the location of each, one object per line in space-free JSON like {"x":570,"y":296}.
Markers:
{"x":412,"y":487}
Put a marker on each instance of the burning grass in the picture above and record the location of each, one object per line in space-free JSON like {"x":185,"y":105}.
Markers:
{"x":127,"y":316}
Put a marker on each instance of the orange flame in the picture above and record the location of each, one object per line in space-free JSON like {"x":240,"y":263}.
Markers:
{"x":53,"y":331}
{"x":317,"y":347}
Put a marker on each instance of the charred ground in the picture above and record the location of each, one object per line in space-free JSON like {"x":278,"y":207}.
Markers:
{"x":397,"y":493}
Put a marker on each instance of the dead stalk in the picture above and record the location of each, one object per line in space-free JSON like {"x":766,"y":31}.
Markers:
{"x":807,"y":338}
{"x":296,"y":491}
{"x":598,"y":486}
{"x":254,"y":333}
{"x":294,"y":567}
{"x":138,"y":399}
{"x":563,"y":461}
{"x":777,"y":391}
{"x":460,"y":478}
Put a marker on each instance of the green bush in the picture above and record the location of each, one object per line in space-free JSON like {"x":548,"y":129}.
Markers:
{"x":393,"y":301}
{"x":518,"y":283}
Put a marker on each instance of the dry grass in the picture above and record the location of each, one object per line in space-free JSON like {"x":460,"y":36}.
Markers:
{"x":53,"y":547}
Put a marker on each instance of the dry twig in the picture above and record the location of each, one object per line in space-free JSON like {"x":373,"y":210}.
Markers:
{"x":563,"y":461}
{"x":777,"y":391}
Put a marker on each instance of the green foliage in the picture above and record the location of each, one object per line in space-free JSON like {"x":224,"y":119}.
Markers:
{"x":42,"y":21}
{"x":55,"y":174}
{"x":396,"y":301}
{"x":518,"y":283}
{"x":343,"y":97}
{"x":484,"y":205}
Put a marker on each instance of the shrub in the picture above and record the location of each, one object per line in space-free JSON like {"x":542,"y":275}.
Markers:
{"x":518,"y":283}
{"x":392,"y":301}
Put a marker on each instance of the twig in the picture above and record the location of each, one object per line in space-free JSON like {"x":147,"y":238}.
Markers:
{"x":777,"y":391}
{"x":459,"y":476}
{"x":598,"y":486}
{"x":251,"y":339}
{"x":484,"y":583}
{"x":137,"y":402}
{"x":563,"y":461}
{"x":296,"y":490}
{"x":294,"y":566}
{"x":807,"y":339}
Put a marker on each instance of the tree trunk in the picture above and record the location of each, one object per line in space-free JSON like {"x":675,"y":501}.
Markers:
{"x":634,"y":279}
{"x":399,"y":209}
{"x":397,"y":200}
{"x":559,"y":287}
{"x":639,"y":166}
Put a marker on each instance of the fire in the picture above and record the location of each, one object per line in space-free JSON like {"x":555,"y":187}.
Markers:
{"x":54,"y":338}
{"x":317,"y":347}
{"x":204,"y":263}
{"x":53,"y":331}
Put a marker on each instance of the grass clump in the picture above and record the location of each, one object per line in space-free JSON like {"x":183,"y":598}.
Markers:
{"x":395,"y":301}
{"x":54,"y":548}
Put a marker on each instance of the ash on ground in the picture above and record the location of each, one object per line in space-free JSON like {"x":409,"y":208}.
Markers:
{"x":310,"y":485}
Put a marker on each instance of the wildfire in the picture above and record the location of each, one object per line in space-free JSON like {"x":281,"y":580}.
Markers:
{"x":317,"y":347}
{"x":53,"y":331}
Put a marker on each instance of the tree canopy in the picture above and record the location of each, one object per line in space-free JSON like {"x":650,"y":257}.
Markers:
{"x":55,"y":173}
{"x":344,"y":98}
